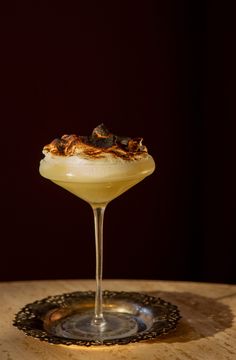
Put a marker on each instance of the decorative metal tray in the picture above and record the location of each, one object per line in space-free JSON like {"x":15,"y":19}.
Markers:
{"x":154,"y":316}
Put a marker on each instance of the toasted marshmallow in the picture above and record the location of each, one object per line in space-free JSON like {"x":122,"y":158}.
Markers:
{"x":98,"y":145}
{"x":99,"y":157}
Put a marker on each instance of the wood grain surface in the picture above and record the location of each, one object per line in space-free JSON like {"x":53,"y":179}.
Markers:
{"x":206,"y":331}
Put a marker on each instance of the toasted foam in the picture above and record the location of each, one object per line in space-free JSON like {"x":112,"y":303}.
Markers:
{"x":107,"y":168}
{"x":99,"y":144}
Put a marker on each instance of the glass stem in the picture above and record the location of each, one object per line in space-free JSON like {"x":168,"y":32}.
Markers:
{"x":98,"y":224}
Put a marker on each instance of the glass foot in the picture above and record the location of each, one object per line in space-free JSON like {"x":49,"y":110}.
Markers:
{"x":81,"y":326}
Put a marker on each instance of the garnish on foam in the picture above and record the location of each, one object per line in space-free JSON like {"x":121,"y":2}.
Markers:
{"x":101,"y":143}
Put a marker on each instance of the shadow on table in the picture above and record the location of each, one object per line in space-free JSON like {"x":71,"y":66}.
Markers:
{"x":200,"y":316}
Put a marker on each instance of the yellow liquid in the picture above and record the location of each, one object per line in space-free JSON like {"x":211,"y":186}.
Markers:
{"x":96,"y":183}
{"x":98,"y":193}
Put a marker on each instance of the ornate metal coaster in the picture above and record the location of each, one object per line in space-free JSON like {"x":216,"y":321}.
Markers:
{"x":42,"y":319}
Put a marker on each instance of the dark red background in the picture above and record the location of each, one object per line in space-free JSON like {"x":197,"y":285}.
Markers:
{"x":161,"y":70}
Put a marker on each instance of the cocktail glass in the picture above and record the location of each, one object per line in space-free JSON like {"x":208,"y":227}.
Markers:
{"x":97,"y":182}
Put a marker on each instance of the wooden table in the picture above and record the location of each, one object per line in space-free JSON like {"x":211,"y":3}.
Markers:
{"x":206,"y":331}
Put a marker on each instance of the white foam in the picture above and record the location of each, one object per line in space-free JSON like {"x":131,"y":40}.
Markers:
{"x":80,"y":169}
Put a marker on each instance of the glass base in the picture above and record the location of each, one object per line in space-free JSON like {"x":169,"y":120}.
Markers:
{"x":81,"y":326}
